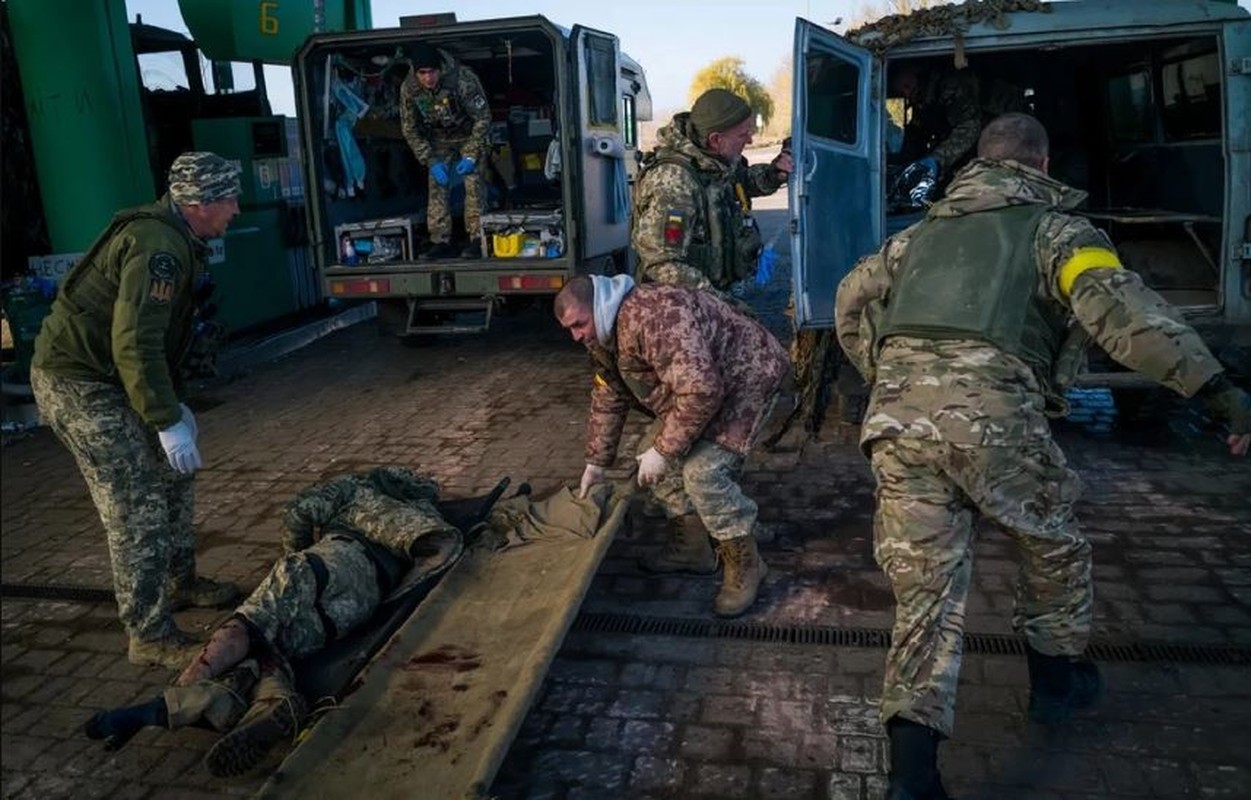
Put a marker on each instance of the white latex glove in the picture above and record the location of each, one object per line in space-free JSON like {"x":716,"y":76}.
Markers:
{"x":652,"y":467}
{"x":590,"y":476}
{"x":178,"y":441}
{"x":189,"y":419}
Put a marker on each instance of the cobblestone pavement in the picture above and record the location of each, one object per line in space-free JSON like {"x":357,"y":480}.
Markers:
{"x":647,"y":715}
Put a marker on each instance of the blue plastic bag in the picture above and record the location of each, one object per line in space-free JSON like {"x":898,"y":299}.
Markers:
{"x":764,"y":266}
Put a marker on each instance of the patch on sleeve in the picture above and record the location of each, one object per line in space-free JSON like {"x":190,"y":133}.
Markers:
{"x":675,"y":227}
{"x":162,"y":268}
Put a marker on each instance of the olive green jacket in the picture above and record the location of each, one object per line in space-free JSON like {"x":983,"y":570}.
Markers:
{"x":125,"y":312}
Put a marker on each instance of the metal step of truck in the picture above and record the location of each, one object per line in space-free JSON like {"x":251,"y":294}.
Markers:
{"x":459,"y":315}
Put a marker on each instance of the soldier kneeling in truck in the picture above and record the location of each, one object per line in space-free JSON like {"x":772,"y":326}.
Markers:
{"x":352,"y":544}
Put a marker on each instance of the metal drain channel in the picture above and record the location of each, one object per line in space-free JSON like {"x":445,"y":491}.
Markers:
{"x":879,"y":638}
{"x":52,"y":591}
{"x":821,"y":635}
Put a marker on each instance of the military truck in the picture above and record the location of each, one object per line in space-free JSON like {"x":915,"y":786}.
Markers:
{"x":565,"y":107}
{"x":1148,"y":107}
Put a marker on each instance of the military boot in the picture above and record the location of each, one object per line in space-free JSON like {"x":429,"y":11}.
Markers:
{"x":201,"y":592}
{"x":914,"y":762}
{"x":275,"y":715}
{"x":1059,"y":685}
{"x":173,"y":650}
{"x":440,"y":250}
{"x":688,"y":549}
{"x":745,"y":570}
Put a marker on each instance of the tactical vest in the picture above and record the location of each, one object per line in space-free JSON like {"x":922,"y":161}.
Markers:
{"x":441,"y":110}
{"x":734,"y":240}
{"x":975,"y":277}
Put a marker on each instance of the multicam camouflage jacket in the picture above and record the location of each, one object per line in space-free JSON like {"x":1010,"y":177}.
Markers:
{"x":672,"y":227}
{"x":970,"y":392}
{"x":695,"y":362}
{"x":457,"y":108}
{"x":953,"y":107}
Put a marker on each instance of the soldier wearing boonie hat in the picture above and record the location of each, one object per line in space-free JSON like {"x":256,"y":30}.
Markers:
{"x":106,"y":377}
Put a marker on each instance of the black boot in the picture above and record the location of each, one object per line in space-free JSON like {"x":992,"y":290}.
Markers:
{"x":440,"y":250}
{"x":1059,"y":685}
{"x":914,"y":762}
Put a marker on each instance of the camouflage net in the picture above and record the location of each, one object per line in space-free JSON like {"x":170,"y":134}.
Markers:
{"x":949,"y":20}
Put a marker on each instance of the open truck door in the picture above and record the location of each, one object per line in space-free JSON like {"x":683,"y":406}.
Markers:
{"x":837,"y":190}
{"x":1236,"y":55}
{"x":604,"y":224}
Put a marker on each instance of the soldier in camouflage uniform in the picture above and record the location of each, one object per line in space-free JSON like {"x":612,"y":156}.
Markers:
{"x":963,"y":381}
{"x":709,"y":375}
{"x":351,"y":543}
{"x":106,"y":378}
{"x":692,"y":221}
{"x":445,"y":118}
{"x":945,"y":110}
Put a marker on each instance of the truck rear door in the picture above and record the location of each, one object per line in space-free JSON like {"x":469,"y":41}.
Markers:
{"x":836,"y":201}
{"x":1236,"y":56}
{"x":604,"y":221}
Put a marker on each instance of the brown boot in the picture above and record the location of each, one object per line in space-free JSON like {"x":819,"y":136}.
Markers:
{"x":173,"y":650}
{"x":201,"y":592}
{"x":688,"y":549}
{"x":745,"y":570}
{"x":276,"y":714}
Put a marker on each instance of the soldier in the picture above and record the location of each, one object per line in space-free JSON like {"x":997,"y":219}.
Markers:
{"x":709,"y":376}
{"x":692,"y":223}
{"x":350,"y":544}
{"x":957,"y":421}
{"x":107,"y":381}
{"x":945,"y":110}
{"x":446,"y":117}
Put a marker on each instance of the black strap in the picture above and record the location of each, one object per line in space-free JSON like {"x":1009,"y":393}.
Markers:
{"x":321,"y":576}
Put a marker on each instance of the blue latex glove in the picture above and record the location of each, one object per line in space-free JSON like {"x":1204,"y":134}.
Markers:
{"x":764,"y":266}
{"x":439,"y":170}
{"x":465,"y":166}
{"x":930,"y":163}
{"x":178,"y":442}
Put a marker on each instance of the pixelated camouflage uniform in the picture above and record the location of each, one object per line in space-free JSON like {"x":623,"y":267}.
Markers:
{"x":947,"y":120}
{"x":672,"y":231}
{"x":348,"y":542}
{"x":106,"y":378}
{"x":958,"y":426}
{"x":708,"y":374}
{"x":445,"y":124}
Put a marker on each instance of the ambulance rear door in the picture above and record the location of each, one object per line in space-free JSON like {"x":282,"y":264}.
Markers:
{"x":836,"y":202}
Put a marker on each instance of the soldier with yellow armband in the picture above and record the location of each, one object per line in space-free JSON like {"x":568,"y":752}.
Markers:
{"x":969,"y":325}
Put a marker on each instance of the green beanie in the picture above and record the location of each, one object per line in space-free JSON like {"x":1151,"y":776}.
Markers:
{"x":718,"y":110}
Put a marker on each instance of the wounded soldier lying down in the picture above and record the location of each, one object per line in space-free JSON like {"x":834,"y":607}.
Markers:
{"x":350,"y":543}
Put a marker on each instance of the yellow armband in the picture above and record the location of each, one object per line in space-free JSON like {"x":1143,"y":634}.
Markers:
{"x":1085,"y":258}
{"x":599,"y":381}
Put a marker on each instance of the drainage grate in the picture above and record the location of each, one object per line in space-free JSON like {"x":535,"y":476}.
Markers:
{"x":52,"y":591}
{"x":980,"y":643}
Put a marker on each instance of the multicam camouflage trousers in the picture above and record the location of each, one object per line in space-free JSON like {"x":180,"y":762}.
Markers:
{"x":706,"y":483}
{"x":438,"y":208}
{"x":298,"y":614}
{"x":219,"y":703}
{"x":927,"y":496}
{"x":146,"y":507}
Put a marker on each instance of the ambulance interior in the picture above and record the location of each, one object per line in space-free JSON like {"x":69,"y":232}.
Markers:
{"x":1135,"y":124}
{"x":370,"y":179}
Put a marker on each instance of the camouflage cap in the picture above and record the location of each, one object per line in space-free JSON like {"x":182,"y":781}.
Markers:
{"x":197,"y":178}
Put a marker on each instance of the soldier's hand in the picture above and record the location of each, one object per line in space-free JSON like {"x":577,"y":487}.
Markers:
{"x":465,"y":166}
{"x":439,"y":170}
{"x":189,"y":419}
{"x":652,"y":467}
{"x":784,"y":163}
{"x":590,"y":476}
{"x":1232,"y":405}
{"x":179,"y":445}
